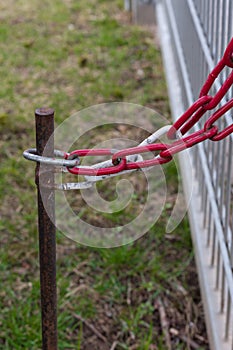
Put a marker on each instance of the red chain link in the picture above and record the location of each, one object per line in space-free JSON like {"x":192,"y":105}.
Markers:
{"x":206,"y":102}
{"x":89,"y":170}
{"x":187,"y":120}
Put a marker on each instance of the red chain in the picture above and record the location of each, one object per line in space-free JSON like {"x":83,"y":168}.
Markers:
{"x":206,"y":102}
{"x":187,"y":120}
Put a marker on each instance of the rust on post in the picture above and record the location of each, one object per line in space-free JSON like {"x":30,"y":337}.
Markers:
{"x":46,"y":226}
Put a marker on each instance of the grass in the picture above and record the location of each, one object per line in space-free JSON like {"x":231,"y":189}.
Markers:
{"x":70,"y":55}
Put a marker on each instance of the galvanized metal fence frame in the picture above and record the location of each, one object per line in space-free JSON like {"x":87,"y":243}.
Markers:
{"x":193,"y":35}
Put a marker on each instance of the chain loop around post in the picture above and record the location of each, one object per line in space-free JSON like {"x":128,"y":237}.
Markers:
{"x":31,"y":154}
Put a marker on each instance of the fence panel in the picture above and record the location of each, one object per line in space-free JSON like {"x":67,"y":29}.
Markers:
{"x":193,"y":36}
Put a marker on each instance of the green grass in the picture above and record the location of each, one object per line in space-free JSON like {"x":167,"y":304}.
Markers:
{"x":70,"y":55}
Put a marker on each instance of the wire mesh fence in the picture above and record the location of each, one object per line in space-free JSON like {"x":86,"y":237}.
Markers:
{"x":194,"y":34}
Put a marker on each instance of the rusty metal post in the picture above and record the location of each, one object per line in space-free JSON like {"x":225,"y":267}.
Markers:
{"x":46,"y":226}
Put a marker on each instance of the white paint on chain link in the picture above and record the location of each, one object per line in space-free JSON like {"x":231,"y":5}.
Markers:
{"x":138,"y":200}
{"x":135,"y":158}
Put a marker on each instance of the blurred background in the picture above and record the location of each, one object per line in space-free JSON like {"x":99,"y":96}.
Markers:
{"x":69,"y":55}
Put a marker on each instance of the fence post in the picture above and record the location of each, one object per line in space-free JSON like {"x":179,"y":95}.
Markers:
{"x":128,"y":5}
{"x":46,"y":226}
